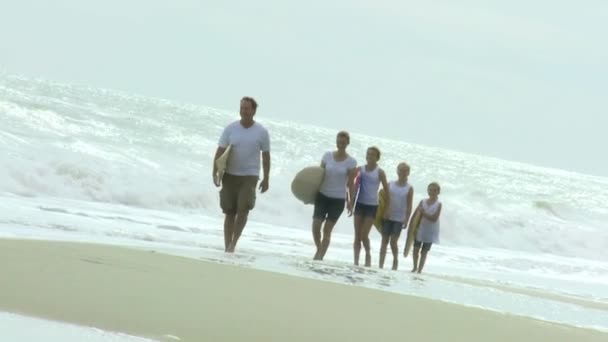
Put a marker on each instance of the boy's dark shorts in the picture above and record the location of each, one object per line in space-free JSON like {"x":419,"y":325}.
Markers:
{"x":426,"y":246}
{"x":365,"y":210}
{"x":327,"y":208}
{"x":238,"y":193}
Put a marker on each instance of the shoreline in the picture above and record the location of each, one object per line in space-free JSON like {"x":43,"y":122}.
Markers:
{"x":156,"y":295}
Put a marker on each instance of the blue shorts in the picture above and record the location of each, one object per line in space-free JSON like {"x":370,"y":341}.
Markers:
{"x":365,"y":210}
{"x":391,"y":227}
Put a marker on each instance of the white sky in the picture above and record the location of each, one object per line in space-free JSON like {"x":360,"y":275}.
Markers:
{"x":520,"y":80}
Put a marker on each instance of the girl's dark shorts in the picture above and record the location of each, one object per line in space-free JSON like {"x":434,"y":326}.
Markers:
{"x":365,"y":210}
{"x":426,"y":246}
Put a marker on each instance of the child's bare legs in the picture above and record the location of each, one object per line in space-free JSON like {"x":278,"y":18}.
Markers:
{"x":365,"y":229}
{"x":358,"y":222}
{"x":423,"y":249}
{"x":383,"y":246}
{"x":394,"y":249}
{"x":415,"y":257}
{"x":422,"y":260}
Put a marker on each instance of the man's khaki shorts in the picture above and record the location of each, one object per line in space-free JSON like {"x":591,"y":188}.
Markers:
{"x":238,"y":193}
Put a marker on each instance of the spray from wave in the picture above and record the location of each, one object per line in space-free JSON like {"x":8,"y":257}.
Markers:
{"x":99,"y":145}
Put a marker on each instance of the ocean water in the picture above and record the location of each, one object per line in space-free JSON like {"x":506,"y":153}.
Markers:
{"x":90,"y":164}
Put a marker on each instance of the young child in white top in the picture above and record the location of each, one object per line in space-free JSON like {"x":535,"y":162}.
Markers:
{"x":401,"y":195}
{"x":428,"y":231}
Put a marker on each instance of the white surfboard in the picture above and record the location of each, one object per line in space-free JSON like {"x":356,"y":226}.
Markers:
{"x":222,"y":163}
{"x":306,"y":183}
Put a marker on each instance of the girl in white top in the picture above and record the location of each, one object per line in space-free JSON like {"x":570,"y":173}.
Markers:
{"x":428,"y":231}
{"x":340,"y":171}
{"x":401,"y":195}
{"x":371,"y":176}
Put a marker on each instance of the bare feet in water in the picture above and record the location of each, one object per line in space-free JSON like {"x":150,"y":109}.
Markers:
{"x":368,"y":260}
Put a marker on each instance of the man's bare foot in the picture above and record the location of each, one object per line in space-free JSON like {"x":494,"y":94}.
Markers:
{"x":395,"y":263}
{"x":419,"y":271}
{"x":414,"y":270}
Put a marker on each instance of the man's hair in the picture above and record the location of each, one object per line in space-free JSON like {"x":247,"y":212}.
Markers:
{"x":251,"y":100}
{"x":375,"y":149}
{"x":344,"y":134}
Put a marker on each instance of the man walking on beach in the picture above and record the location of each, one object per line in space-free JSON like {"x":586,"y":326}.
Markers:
{"x":238,"y":193}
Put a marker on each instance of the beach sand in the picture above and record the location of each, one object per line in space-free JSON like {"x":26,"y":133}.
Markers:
{"x":167,"y":297}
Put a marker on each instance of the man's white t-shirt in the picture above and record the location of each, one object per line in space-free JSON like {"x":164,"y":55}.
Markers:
{"x":247,"y":143}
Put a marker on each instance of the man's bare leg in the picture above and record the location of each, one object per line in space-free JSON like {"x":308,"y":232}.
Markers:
{"x":228,"y":230}
{"x":415,"y":257}
{"x":367,"y":226}
{"x":383,"y":246}
{"x":327,"y":229}
{"x":239,"y":225}
{"x":395,"y":250}
{"x":316,"y":236}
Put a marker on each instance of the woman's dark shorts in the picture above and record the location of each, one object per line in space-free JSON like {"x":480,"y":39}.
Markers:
{"x":327,"y":208}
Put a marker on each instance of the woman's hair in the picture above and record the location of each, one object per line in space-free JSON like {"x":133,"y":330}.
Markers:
{"x":344,"y":134}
